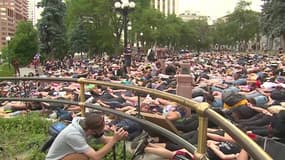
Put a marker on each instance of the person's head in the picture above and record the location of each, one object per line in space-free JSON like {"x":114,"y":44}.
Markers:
{"x":209,"y":98}
{"x":94,"y":124}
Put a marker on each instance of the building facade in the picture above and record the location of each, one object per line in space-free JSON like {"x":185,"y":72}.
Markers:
{"x":11,"y":12}
{"x":34,"y":11}
{"x":188,"y":15}
{"x":167,"y":7}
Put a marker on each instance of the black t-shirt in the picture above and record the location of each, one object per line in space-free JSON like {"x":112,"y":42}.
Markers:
{"x":128,"y":51}
{"x":226,"y":148}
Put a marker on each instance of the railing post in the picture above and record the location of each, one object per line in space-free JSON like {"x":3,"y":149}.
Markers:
{"x":82,"y":95}
{"x":202,"y":132}
{"x":139,"y":106}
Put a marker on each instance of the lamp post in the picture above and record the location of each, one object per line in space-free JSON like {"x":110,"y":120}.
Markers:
{"x":125,"y":7}
{"x":8,"y":38}
{"x":141,"y":39}
{"x":199,"y":43}
{"x":140,"y":42}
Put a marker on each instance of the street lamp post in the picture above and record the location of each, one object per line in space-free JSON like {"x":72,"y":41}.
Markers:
{"x":8,"y":38}
{"x":125,"y":6}
{"x":141,"y":39}
{"x":199,"y":43}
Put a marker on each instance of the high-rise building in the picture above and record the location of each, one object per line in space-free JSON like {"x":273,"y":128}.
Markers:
{"x":34,"y":11}
{"x":11,"y":12}
{"x":167,"y":7}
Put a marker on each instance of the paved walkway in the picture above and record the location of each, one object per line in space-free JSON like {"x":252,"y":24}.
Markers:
{"x":26,"y":71}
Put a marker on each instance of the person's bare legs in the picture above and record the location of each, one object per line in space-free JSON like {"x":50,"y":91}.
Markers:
{"x":17,"y":105}
{"x":126,"y":108}
{"x":159,"y":150}
{"x":242,"y":155}
{"x":133,"y":99}
{"x":163,"y":101}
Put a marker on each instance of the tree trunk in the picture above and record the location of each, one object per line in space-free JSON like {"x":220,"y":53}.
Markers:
{"x":283,"y":41}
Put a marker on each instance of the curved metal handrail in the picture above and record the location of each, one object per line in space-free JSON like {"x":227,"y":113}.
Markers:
{"x":201,"y":108}
{"x":173,"y":137}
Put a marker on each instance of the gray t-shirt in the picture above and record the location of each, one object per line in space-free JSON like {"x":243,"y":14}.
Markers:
{"x":72,"y":139}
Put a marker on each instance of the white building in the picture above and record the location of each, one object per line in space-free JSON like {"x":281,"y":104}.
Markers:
{"x":167,"y":7}
{"x":188,"y":15}
{"x":34,"y":13}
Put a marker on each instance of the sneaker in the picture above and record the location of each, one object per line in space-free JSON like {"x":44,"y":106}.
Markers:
{"x":140,"y":148}
{"x":138,"y":139}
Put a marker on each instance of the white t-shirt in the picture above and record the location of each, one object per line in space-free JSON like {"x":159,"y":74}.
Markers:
{"x":71,"y":139}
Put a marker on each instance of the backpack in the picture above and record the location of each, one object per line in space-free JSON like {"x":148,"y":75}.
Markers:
{"x":134,"y":129}
{"x":56,"y":128}
{"x":53,"y":131}
{"x":278,"y":94}
{"x":274,"y":148}
{"x":233,"y":100}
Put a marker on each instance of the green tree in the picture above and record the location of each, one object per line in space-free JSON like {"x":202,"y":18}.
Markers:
{"x":244,"y":21}
{"x":147,"y":20}
{"x":99,"y":20}
{"x":241,"y":25}
{"x":78,"y":39}
{"x":24,"y":45}
{"x":273,"y":19}
{"x":169,"y":32}
{"x":195,"y":35}
{"x":52,"y":29}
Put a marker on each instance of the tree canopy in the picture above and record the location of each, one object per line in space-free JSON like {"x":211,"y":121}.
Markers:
{"x":241,"y":25}
{"x":52,"y":29}
{"x":96,"y":27}
{"x":24,"y":45}
{"x":273,"y":18}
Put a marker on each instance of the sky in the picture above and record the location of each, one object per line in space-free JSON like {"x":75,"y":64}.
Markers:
{"x":214,"y":8}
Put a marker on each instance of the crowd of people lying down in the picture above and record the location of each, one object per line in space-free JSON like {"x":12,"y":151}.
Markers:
{"x":247,"y":89}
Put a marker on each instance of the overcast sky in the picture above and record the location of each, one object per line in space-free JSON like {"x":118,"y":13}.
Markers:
{"x":214,"y":8}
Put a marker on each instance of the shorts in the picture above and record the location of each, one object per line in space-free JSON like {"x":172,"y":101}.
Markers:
{"x":179,"y":155}
{"x":128,"y":60}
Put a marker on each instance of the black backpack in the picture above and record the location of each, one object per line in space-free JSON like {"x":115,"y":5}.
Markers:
{"x":233,"y":99}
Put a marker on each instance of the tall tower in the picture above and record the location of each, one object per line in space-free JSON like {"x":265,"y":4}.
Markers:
{"x":34,"y":11}
{"x":167,"y":7}
{"x":11,"y":12}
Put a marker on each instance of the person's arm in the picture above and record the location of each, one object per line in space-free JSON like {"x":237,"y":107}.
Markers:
{"x":262,"y":132}
{"x":89,"y":100}
{"x":220,"y":154}
{"x":113,"y":95}
{"x":103,"y":104}
{"x":106,"y":139}
{"x":220,"y":138}
{"x":259,"y":109}
{"x":110,"y":142}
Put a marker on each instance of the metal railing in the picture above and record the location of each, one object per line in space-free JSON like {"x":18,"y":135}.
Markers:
{"x":203,"y":110}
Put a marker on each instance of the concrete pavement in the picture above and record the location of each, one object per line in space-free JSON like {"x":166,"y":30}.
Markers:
{"x":26,"y":71}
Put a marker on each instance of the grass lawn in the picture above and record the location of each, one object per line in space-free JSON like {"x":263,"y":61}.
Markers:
{"x":21,"y":137}
{"x":5,"y":71}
